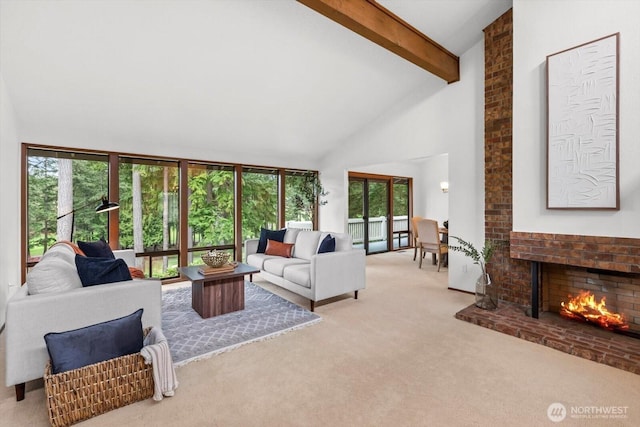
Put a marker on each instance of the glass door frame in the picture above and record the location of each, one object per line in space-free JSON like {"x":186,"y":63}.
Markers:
{"x":389,"y":180}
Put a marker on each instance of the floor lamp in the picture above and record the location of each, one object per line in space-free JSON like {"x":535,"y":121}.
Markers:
{"x":104,"y":206}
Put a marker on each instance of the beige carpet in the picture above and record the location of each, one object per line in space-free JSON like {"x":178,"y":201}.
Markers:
{"x":395,"y":357}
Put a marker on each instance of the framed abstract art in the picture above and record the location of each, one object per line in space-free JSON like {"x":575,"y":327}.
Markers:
{"x":582,"y":120}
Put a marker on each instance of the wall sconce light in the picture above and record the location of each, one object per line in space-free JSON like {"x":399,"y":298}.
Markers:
{"x":444,"y":186}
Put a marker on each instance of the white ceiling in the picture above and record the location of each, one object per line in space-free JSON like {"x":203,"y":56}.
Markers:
{"x":268,"y":76}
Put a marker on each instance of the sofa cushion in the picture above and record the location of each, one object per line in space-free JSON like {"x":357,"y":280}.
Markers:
{"x":277,"y":235}
{"x":99,"y":249}
{"x":306,"y":244}
{"x":299,"y":274}
{"x":97,"y":271}
{"x":55,"y":272}
{"x":96,"y":343}
{"x":279,"y":249}
{"x":291,"y":235}
{"x":257,"y":260}
{"x":328,"y":244}
{"x":277,"y":265}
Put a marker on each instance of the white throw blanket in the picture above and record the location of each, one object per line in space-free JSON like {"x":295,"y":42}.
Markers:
{"x":156,"y":352}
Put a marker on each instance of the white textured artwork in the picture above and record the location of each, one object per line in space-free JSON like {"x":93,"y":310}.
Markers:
{"x":582,"y":156}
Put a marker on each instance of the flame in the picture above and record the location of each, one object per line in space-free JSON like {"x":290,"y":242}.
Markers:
{"x":584,"y":307}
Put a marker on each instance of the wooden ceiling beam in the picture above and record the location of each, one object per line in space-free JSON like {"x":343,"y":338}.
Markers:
{"x":381,"y":26}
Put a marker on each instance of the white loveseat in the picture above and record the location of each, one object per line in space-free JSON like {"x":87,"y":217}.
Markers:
{"x":310,"y":274}
{"x":30,"y":317}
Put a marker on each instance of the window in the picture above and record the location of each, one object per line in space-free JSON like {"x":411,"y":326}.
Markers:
{"x":302,"y":191}
{"x":400,"y":213}
{"x":63,"y":188}
{"x":211,"y":210}
{"x":259,"y":201}
{"x":149,"y":214}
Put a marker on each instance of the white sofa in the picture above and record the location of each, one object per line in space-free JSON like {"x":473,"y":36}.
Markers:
{"x":309,"y":274}
{"x":30,"y":317}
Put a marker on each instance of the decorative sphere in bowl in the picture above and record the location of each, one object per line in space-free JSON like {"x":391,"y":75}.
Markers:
{"x":215,"y":258}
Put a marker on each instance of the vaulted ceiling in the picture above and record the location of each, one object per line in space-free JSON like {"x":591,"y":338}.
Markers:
{"x":267,"y":76}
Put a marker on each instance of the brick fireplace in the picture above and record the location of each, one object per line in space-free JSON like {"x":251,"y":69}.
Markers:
{"x":565,"y":264}
{"x":535,"y":269}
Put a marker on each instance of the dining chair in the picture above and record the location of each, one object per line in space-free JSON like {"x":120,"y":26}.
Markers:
{"x":414,"y":229}
{"x":429,"y":240}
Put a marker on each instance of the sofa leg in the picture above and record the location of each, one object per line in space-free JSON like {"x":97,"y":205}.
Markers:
{"x":312,"y":304}
{"x":356,"y":296}
{"x":20,"y":391}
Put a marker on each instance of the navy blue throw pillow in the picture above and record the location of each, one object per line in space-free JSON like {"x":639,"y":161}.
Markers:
{"x":96,"y":343}
{"x":277,"y":235}
{"x":97,"y":271}
{"x":99,"y":249}
{"x":328,"y":244}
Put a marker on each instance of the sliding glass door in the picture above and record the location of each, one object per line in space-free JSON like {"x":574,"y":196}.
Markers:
{"x":369,"y":214}
{"x":372,"y":199}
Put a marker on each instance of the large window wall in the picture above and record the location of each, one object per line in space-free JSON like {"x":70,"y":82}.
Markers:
{"x":171,"y":210}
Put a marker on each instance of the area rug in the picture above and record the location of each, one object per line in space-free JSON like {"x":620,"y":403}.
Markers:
{"x":191,"y":337}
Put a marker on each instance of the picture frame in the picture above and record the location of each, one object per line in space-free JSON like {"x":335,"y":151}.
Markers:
{"x":583,"y":127}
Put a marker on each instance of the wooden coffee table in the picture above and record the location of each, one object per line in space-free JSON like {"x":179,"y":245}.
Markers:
{"x":219,"y":293}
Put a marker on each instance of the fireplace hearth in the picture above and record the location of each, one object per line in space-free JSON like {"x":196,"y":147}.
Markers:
{"x":552,"y":330}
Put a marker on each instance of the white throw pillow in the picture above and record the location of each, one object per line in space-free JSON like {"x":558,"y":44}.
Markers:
{"x":56,"y":272}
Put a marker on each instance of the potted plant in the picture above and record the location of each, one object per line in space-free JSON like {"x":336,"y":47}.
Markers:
{"x":486,"y":292}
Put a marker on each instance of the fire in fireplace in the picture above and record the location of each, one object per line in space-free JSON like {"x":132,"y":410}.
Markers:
{"x":585,"y":308}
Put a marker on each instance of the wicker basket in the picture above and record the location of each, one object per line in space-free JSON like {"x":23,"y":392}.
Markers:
{"x":92,"y":390}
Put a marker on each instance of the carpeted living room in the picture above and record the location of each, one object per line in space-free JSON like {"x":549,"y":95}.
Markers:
{"x":397,"y":355}
{"x":338,"y":129}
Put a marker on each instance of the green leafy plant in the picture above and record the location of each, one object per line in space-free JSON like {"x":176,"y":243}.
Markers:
{"x":481,"y":257}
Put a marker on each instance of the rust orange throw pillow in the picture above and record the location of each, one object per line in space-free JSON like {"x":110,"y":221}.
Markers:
{"x":279,"y":249}
{"x":136,"y":273}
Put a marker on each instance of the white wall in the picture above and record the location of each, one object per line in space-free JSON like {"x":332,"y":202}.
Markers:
{"x":432,"y":203}
{"x":430,"y":122}
{"x":545,"y":27}
{"x":10,"y":185}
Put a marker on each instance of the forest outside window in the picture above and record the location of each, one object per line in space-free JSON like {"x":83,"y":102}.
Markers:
{"x":211,"y":210}
{"x":153,"y":208}
{"x":149,"y":214}
{"x":59,"y":182}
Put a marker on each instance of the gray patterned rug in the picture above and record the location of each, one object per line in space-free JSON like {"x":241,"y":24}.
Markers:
{"x":193,"y":338}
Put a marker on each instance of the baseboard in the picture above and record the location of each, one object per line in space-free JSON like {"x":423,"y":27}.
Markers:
{"x":460,"y":290}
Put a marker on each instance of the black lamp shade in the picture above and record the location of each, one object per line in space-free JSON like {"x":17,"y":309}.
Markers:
{"x":106,"y":205}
